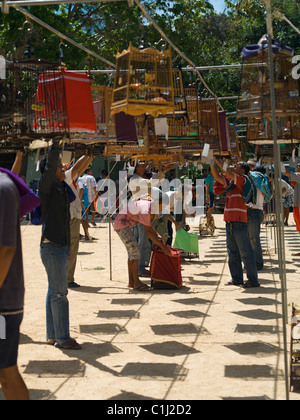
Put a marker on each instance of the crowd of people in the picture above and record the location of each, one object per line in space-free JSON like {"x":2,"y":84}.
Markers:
{"x":64,"y":208}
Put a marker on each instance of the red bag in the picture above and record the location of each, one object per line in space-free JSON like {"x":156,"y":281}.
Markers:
{"x":166,"y":271}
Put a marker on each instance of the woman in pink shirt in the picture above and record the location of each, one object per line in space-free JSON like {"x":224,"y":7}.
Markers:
{"x":138,"y":212}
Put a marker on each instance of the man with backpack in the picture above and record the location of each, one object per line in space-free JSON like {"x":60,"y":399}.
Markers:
{"x":236,"y":184}
{"x":256,"y":211}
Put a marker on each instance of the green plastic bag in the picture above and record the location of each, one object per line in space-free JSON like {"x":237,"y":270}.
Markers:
{"x":187,"y":241}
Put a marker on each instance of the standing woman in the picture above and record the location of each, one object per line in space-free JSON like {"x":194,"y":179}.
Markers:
{"x":139,"y":212}
{"x":55,"y":246}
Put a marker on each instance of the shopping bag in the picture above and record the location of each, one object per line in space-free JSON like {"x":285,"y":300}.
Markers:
{"x":165,"y":271}
{"x":187,"y":241}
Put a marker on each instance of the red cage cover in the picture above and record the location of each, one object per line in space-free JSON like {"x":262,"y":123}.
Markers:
{"x":165,"y":270}
{"x":67,"y":93}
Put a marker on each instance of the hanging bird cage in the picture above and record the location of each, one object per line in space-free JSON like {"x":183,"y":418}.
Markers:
{"x":200,"y":125}
{"x":234,"y":141}
{"x":102,"y":99}
{"x":260,"y":131}
{"x":25,"y":112}
{"x":255,"y":96}
{"x":209,"y":124}
{"x":143,"y":82}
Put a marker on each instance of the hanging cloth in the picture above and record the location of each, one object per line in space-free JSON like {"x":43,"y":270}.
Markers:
{"x":67,"y":99}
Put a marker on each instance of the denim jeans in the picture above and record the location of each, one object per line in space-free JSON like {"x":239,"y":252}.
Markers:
{"x":56,"y":260}
{"x":144,"y":246}
{"x":255,"y":219}
{"x":240,"y":250}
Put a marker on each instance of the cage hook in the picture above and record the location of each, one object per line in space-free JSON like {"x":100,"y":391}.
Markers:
{"x":29,"y":23}
{"x":163,"y":42}
{"x":143,"y":43}
{"x":28,"y":53}
{"x":61,"y":51}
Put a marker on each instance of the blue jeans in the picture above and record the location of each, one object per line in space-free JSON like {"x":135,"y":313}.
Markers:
{"x":239,"y":249}
{"x":255,"y":219}
{"x":144,"y":246}
{"x":56,"y":260}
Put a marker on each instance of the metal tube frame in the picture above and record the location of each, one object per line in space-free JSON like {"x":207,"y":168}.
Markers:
{"x":278,"y":192}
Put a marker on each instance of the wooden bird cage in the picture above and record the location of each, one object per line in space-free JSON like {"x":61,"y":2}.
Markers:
{"x":208,"y":118}
{"x":234,"y":141}
{"x":260,"y":131}
{"x":199,"y":125}
{"x":143,"y":82}
{"x":25,"y":111}
{"x":102,"y":99}
{"x":255,"y":96}
{"x":267,"y":151}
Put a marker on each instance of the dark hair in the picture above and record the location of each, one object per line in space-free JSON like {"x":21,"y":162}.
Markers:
{"x":88,"y":169}
{"x":262,"y":169}
{"x":245,"y":166}
{"x":43,"y":165}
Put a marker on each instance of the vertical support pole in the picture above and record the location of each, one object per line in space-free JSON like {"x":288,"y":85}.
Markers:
{"x":109,"y":232}
{"x":278,"y":192}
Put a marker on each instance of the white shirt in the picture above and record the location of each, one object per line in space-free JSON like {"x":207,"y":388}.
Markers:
{"x":90,"y":182}
{"x":259,"y":202}
{"x":75,"y":206}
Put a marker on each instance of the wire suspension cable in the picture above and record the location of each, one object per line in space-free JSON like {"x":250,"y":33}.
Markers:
{"x":164,"y":36}
{"x":59,"y":34}
{"x":277,"y":14}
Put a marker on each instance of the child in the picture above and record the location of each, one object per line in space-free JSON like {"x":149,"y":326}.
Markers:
{"x":138,"y":212}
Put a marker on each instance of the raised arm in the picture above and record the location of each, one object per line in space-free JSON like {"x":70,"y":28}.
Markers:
{"x":216,"y":174}
{"x":50,"y":169}
{"x":17,"y":163}
{"x":81,"y":165}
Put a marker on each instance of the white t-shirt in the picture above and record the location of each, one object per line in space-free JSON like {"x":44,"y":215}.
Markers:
{"x":75,"y":207}
{"x":90,"y":182}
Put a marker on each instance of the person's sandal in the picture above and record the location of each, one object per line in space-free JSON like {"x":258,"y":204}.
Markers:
{"x":233,"y":283}
{"x":142,"y":288}
{"x":69,"y":345}
{"x":249,"y":285}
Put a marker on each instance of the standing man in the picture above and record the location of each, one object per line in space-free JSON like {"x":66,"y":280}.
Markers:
{"x":256,"y":213}
{"x":90,"y":183}
{"x":55,"y":198}
{"x":75,"y":211}
{"x":11,"y":289}
{"x":210,"y":196}
{"x":235,"y":216}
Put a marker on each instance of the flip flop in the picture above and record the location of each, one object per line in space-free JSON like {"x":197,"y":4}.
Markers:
{"x":69,"y":345}
{"x":249,"y":285}
{"x":142,"y":288}
{"x":233,"y":283}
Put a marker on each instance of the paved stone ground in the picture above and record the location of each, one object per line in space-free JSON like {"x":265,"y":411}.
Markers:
{"x":205,"y":341}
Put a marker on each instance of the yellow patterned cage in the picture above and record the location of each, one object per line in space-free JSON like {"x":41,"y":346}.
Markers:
{"x":143,"y":82}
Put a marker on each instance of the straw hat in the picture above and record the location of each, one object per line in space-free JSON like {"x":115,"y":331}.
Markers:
{"x":252,"y":162}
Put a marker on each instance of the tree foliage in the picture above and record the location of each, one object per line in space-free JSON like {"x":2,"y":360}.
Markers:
{"x":206,"y":37}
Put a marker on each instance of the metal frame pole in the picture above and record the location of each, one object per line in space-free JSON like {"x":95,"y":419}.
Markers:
{"x":278,"y":192}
